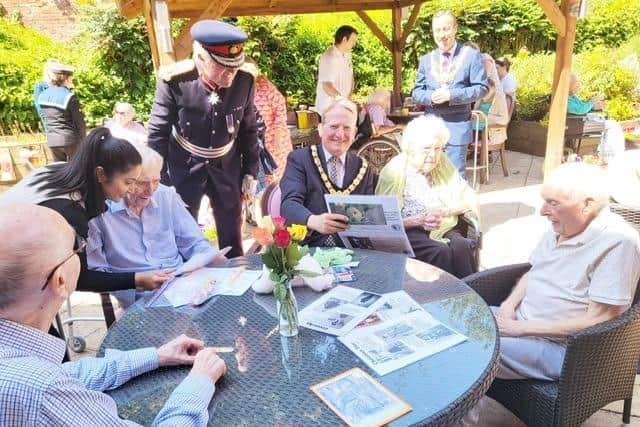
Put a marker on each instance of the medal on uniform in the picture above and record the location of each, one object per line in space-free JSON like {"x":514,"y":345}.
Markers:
{"x":230,"y":123}
{"x":214,"y":98}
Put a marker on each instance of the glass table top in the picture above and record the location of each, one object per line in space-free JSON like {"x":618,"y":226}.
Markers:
{"x":269,"y":376}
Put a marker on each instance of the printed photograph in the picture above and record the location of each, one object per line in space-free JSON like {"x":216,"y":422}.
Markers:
{"x":360,"y":242}
{"x":365,"y":299}
{"x":436,"y":333}
{"x":359,"y":399}
{"x":360,"y":214}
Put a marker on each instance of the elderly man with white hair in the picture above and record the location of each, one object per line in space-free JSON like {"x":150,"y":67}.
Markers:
{"x":123,"y":126}
{"x":148,"y":229}
{"x":432,"y":195}
{"x":39,"y":268}
{"x":583,"y":272}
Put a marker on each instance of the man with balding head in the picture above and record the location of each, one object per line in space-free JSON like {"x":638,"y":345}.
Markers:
{"x":39,"y":268}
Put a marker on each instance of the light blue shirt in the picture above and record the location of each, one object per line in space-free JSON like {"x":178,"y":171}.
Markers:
{"x":162,"y":237}
{"x":39,"y":390}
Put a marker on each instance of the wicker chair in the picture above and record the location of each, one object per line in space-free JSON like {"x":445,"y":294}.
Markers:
{"x":599,"y":365}
{"x":631,"y":214}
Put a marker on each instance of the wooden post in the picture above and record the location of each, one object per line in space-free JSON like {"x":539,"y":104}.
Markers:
{"x":156,"y":14}
{"x":396,"y":52}
{"x":560,"y":89}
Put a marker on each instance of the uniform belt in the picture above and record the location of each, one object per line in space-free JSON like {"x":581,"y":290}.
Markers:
{"x":207,"y":153}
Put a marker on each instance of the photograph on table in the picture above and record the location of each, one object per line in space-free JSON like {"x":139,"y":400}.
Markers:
{"x":359,"y":400}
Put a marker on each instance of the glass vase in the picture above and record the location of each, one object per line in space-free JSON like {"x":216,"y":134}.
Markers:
{"x":288,"y":314}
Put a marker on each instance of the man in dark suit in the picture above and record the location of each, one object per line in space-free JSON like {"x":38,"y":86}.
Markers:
{"x":328,"y":168}
{"x":203,"y":123}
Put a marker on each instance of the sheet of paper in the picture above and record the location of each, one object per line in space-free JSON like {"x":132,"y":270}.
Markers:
{"x":339,"y":310}
{"x":399,"y":333}
{"x":210,"y":281}
{"x":375,"y":222}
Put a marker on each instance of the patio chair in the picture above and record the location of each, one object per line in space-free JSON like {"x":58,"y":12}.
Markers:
{"x":599,"y":366}
{"x":631,"y":214}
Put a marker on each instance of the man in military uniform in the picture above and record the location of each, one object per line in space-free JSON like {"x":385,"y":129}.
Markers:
{"x":203,"y":123}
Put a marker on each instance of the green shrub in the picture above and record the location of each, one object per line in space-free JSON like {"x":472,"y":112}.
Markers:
{"x":617,"y":78}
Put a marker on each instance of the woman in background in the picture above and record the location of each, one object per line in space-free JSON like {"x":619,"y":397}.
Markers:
{"x":60,"y":110}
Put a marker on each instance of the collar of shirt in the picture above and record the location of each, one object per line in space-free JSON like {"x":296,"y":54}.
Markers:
{"x":337,"y":51}
{"x":451,"y":51}
{"x":595,"y":227}
{"x":17,"y":340}
{"x":328,"y":155}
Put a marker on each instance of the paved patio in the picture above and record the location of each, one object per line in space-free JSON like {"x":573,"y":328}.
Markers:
{"x":511,"y":226}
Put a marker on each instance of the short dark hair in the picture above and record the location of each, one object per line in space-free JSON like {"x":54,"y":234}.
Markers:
{"x":342,"y":32}
{"x":100,"y":148}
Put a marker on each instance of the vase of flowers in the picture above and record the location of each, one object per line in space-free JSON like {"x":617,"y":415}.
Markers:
{"x":282,"y":254}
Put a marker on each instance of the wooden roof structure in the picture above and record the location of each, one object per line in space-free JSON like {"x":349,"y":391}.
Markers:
{"x":166,"y":50}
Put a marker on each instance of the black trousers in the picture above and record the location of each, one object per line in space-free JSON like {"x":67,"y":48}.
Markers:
{"x":227,"y":209}
{"x":456,"y":257}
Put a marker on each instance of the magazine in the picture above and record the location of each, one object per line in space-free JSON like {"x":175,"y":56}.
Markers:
{"x":359,"y":400}
{"x":374,"y":223}
{"x":339,"y":310}
{"x":399,"y":333}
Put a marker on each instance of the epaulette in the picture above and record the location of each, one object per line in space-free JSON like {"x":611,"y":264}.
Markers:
{"x":167,"y":72}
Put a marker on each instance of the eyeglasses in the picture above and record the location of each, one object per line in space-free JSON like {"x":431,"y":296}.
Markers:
{"x":78,"y":248}
{"x":122,"y":113}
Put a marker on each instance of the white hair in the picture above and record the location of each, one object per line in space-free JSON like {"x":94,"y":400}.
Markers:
{"x":199,"y":50}
{"x":341,"y":102}
{"x":424,"y":131}
{"x":151,"y":159}
{"x":581,"y":181}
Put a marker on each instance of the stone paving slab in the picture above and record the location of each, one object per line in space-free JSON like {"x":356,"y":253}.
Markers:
{"x":511,"y":225}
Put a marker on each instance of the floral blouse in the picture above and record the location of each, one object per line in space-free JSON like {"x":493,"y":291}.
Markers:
{"x":273,"y":109}
{"x":419,"y":194}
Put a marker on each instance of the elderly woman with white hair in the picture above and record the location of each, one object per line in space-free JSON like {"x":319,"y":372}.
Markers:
{"x":148,"y":229}
{"x":431,"y":194}
{"x":123,"y":126}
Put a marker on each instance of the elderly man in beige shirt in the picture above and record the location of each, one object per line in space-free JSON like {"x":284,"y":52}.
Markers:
{"x":582,"y":273}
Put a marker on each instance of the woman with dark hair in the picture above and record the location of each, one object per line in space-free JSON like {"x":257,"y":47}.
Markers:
{"x":104,"y":167}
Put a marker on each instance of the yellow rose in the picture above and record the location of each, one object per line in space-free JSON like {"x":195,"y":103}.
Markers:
{"x":297,"y":231}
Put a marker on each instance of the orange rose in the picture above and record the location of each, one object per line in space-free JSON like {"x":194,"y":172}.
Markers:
{"x":262,"y":236}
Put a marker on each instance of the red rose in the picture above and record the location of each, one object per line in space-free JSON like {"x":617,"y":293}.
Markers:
{"x":282,"y":238}
{"x":279,"y":222}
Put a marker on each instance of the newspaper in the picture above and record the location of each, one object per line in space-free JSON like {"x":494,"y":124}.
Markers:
{"x":199,"y":285}
{"x":374,"y":223}
{"x":339,"y":310}
{"x":399,"y":333}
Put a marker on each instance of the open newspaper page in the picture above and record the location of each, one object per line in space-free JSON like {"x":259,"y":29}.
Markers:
{"x":374,"y":223}
{"x":399,"y":333}
{"x":339,"y":310}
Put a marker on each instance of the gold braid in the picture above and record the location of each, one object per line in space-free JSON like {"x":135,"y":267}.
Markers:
{"x":331,"y":188}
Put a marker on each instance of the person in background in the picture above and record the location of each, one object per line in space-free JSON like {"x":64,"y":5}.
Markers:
{"x":509,"y":83}
{"x":494,"y":106}
{"x":272,"y":106}
{"x":431,"y":195}
{"x":377,"y":107}
{"x":577,"y":106}
{"x":61,"y":111}
{"x":148,"y":229}
{"x":39,"y":267}
{"x":450,"y":80}
{"x":335,"y":70}
{"x":122,"y":125}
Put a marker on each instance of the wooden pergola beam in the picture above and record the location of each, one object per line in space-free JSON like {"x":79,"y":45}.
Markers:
{"x":408,"y":27}
{"x":375,"y":29}
{"x":555,"y":15}
{"x":560,"y":90}
{"x":183,"y":43}
{"x":396,"y":52}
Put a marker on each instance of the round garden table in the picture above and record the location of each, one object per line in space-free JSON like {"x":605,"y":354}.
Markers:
{"x":268,"y":377}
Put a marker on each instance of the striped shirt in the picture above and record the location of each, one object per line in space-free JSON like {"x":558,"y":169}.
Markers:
{"x":37,"y":389}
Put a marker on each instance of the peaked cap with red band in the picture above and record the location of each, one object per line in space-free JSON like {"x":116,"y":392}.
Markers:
{"x":224,"y":42}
